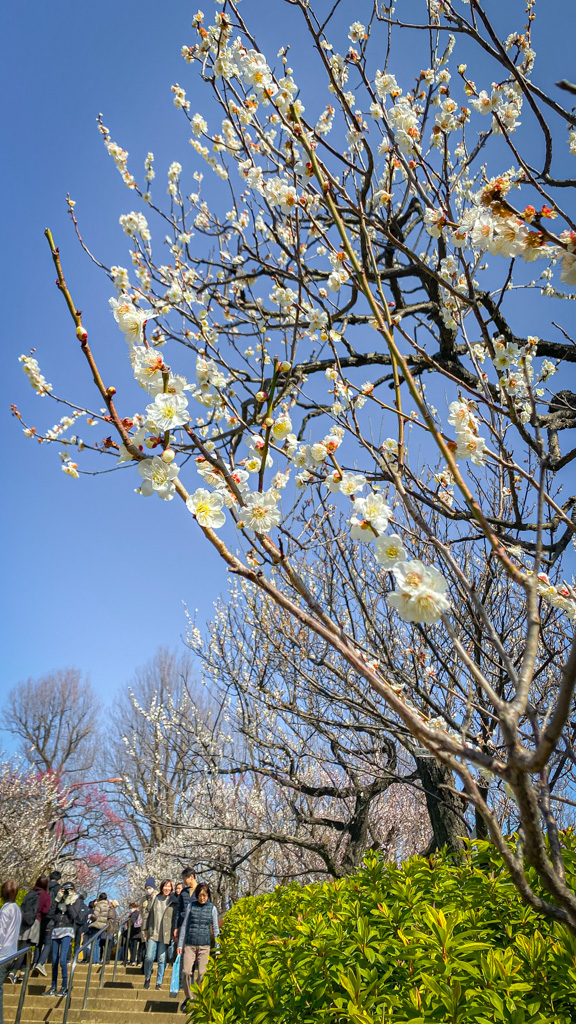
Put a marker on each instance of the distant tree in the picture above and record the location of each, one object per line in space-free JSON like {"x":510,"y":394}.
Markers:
{"x":147,"y":747}
{"x":55,"y":718}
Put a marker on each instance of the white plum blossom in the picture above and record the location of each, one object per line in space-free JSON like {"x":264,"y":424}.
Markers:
{"x":135,"y":224}
{"x":374,"y":510}
{"x":261,"y":513}
{"x":421,"y":592}
{"x":136,"y":441}
{"x":469,"y":446}
{"x":168,"y":411}
{"x":36,"y":378}
{"x":130,"y":319}
{"x":389,"y":550}
{"x":158,"y":477}
{"x":206,"y":507}
{"x":282,"y":427}
{"x":351,"y":483}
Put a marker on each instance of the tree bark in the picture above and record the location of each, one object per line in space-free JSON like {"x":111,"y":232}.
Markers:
{"x":445,"y":808}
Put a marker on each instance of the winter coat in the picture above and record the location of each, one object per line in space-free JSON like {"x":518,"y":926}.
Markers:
{"x":53,"y":890}
{"x":145,"y":906}
{"x":160,"y":923}
{"x":100,"y":915}
{"x":183,"y":900}
{"x":200,"y":922}
{"x":111,"y":920}
{"x":67,"y":911}
{"x":44,"y":904}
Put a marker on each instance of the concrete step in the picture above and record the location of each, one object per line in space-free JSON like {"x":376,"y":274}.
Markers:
{"x":102,"y":999}
{"x":54,"y":1013}
{"x":114,"y":990}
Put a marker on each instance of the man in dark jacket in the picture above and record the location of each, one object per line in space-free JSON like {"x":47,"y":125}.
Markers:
{"x":187,"y":894}
{"x":41,"y":954}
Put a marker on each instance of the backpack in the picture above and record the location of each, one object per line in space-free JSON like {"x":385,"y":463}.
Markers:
{"x":83,"y":914}
{"x":29,"y":908}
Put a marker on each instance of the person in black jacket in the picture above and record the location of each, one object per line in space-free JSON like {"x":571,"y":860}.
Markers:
{"x":66,"y":917}
{"x":42,"y":950}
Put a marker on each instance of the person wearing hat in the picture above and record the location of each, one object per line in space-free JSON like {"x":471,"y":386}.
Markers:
{"x":66,"y":916}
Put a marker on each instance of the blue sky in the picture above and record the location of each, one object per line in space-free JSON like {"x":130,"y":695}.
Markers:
{"x":94,"y":576}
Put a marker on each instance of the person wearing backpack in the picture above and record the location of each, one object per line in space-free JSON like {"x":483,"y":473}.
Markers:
{"x":83,"y":913}
{"x":41,"y":954}
{"x":65,"y":921}
{"x":34,"y":910}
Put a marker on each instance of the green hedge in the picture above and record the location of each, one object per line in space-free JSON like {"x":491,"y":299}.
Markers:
{"x":430,"y":941}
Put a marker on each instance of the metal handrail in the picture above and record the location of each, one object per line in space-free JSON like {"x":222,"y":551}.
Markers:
{"x":14,"y":956}
{"x":118,"y":944}
{"x":92,"y":943}
{"x":24,"y":951}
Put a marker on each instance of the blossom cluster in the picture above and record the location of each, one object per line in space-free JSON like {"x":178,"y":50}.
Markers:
{"x":469,"y":444}
{"x":36,"y":378}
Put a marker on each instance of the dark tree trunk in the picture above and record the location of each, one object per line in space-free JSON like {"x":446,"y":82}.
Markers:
{"x":445,"y":808}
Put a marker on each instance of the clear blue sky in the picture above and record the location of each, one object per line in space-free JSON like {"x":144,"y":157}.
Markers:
{"x":93,"y":575}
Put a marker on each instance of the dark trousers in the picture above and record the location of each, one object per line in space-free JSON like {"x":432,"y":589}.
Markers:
{"x":43,"y":949}
{"x":60,"y":950}
{"x":88,"y":935}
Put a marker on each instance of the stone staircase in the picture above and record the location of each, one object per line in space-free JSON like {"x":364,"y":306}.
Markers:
{"x":124,"y":1001}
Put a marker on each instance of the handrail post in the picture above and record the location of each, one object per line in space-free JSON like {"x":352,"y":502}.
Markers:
{"x":103,"y":967}
{"x":88,"y":976}
{"x":118,"y":940}
{"x":24,"y":985}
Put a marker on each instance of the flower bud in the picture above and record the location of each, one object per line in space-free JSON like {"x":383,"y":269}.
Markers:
{"x":168,"y":456}
{"x":285,"y":367}
{"x":82,"y":334}
{"x":268,"y":422}
{"x":150,"y":442}
{"x":261,"y":396}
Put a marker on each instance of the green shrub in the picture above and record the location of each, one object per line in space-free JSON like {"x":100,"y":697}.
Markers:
{"x":430,"y":941}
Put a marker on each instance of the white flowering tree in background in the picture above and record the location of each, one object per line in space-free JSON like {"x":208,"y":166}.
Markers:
{"x":30,"y":843}
{"x":338,"y":322}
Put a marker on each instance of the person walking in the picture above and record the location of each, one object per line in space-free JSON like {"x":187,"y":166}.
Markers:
{"x":187,"y":891}
{"x":98,"y":920}
{"x":34,"y":910}
{"x":41,"y":954}
{"x":10,"y":921}
{"x":111,"y":926}
{"x":145,"y":904}
{"x":133,"y":927}
{"x":65,"y":921}
{"x":83,"y":914}
{"x":158,"y":932}
{"x":199,"y":927}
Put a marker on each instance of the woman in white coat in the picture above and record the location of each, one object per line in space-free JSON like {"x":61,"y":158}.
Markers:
{"x":10,"y":921}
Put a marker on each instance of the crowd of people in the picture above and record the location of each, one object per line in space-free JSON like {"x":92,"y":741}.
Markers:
{"x":173,"y":920}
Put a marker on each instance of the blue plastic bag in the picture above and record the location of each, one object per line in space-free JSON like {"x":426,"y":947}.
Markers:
{"x":175,"y":978}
